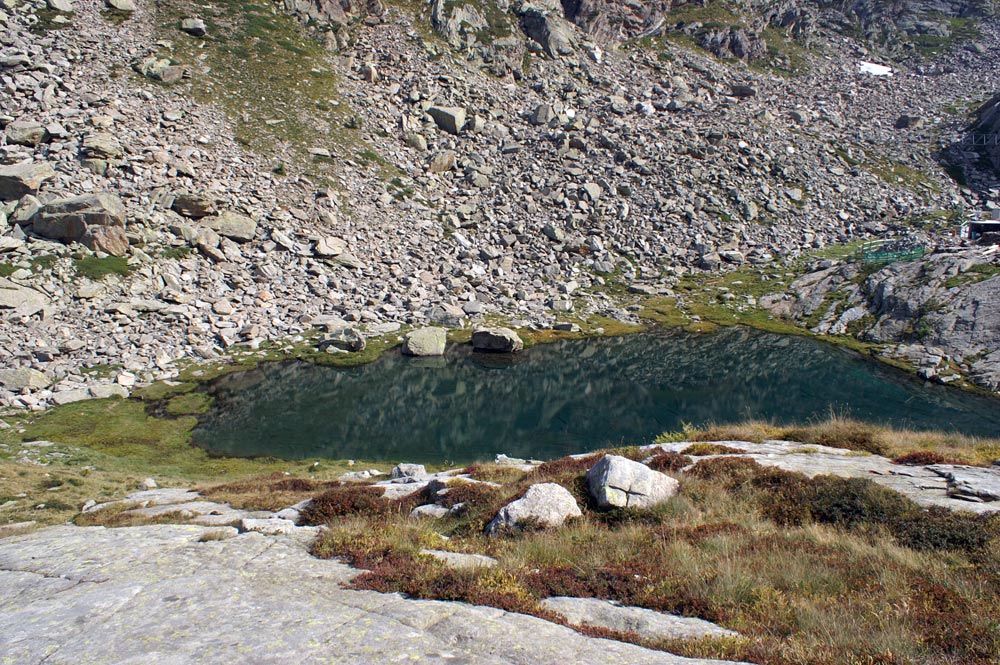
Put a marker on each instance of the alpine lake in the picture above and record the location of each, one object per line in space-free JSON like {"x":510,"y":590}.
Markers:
{"x":567,"y":397}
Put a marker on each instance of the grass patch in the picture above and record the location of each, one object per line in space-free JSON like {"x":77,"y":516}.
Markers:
{"x":189,"y":404}
{"x":175,"y":253}
{"x":103,"y":450}
{"x":96,"y":269}
{"x":975,"y":274}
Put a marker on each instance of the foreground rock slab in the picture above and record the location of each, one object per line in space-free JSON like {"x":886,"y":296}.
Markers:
{"x":133,"y":595}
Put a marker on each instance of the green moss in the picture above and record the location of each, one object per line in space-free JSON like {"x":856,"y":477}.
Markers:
{"x":7,"y":269}
{"x":176,"y":252}
{"x":190,"y":404}
{"x":96,"y":269}
{"x":160,"y":390}
{"x":962,"y":29}
{"x":120,"y":436}
{"x":975,"y":274}
{"x":101,"y":370}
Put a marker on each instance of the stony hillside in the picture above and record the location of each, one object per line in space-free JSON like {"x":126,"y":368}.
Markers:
{"x":180,"y":180}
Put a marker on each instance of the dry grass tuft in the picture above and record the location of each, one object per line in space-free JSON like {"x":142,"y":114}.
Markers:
{"x":840,"y":432}
{"x":269,"y":492}
{"x":702,"y":449}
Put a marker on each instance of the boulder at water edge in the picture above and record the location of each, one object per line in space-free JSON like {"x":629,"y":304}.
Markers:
{"x":497,"y":340}
{"x":425,"y":342}
{"x":618,"y":482}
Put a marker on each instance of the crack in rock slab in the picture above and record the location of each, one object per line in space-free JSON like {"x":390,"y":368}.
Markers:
{"x":252,"y":598}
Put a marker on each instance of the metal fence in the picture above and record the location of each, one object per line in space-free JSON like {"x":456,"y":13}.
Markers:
{"x":889,"y":251}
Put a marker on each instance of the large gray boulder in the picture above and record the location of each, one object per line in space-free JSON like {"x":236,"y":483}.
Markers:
{"x":618,"y":482}
{"x":553,"y":34}
{"x":545,"y":504}
{"x":449,"y":118}
{"x":425,"y":342}
{"x":69,"y":218}
{"x":108,"y":239}
{"x":22,"y":300}
{"x":25,"y":132}
{"x":18,"y":180}
{"x":23,"y":378}
{"x":496,"y":340}
{"x":232,"y":225}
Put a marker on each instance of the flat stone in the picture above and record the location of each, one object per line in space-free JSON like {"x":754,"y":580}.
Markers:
{"x":595,"y":613}
{"x":107,"y":391}
{"x":268,"y":527}
{"x":23,"y":378}
{"x":461,"y":561}
{"x":970,"y":482}
{"x":23,"y":300}
{"x":25,"y":132}
{"x":18,"y":180}
{"x":920,"y":484}
{"x":232,"y":225}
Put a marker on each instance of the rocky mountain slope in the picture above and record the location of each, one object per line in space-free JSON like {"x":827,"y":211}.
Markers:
{"x":180,"y":180}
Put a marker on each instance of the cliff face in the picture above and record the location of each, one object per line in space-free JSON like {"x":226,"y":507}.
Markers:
{"x":941,"y":312}
{"x":729,"y":27}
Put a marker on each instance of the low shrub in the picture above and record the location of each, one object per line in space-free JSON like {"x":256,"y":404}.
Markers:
{"x":345,"y":501}
{"x":564,"y":466}
{"x":942,"y":529}
{"x":922,"y":458}
{"x":731,"y":471}
{"x":702,"y":449}
{"x":668,"y":461}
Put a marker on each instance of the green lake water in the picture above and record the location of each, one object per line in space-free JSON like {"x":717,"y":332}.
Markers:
{"x":566,"y":397}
